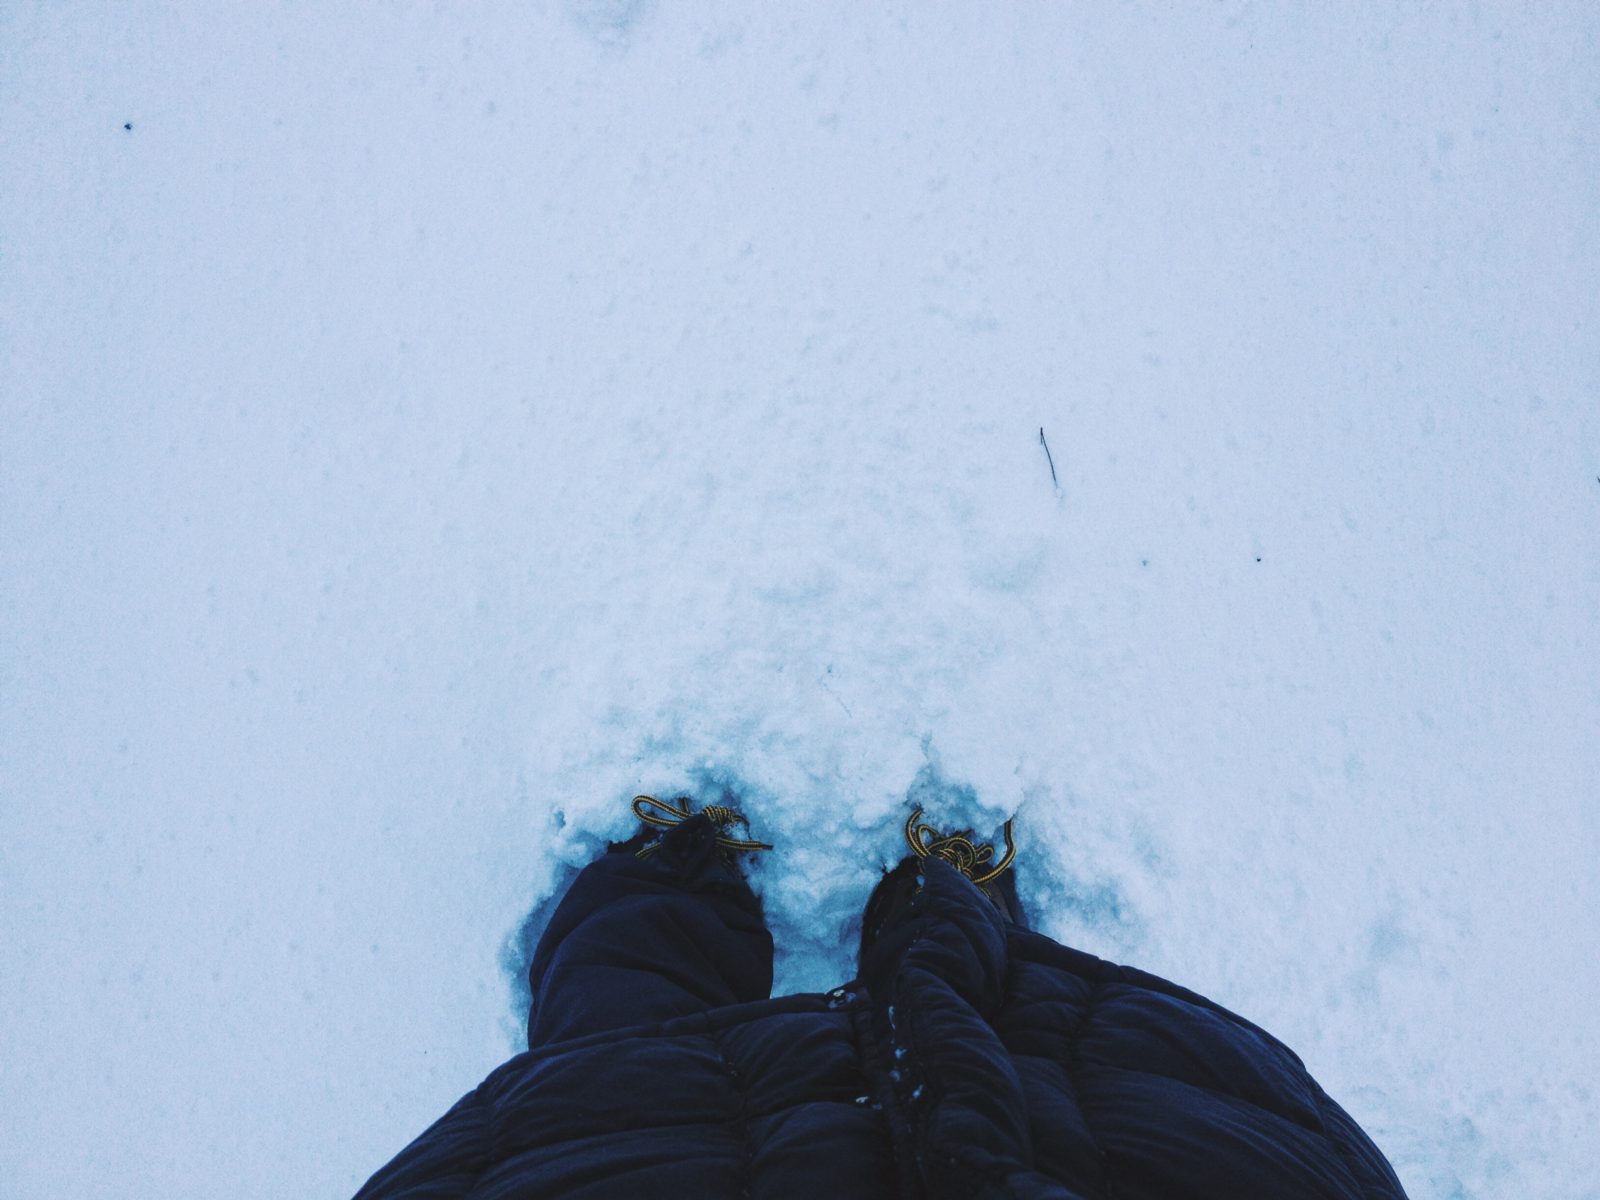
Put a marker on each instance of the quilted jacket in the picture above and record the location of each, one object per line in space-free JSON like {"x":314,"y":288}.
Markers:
{"x":970,"y":1058}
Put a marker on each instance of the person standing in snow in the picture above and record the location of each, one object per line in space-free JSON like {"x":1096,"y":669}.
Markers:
{"x":971,"y":1057}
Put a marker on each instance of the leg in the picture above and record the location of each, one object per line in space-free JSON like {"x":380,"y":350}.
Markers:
{"x":899,"y":887}
{"x":636,"y":941}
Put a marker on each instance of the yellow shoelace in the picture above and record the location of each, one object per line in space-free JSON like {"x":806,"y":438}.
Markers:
{"x":959,"y":849}
{"x":667,"y":813}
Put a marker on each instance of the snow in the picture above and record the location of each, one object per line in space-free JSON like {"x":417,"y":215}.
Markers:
{"x":425,"y":428}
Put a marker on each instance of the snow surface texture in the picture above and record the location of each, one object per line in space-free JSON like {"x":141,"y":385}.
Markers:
{"x":426,"y":427}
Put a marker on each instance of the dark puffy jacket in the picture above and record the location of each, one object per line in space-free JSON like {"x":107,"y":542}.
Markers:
{"x":972,"y":1058}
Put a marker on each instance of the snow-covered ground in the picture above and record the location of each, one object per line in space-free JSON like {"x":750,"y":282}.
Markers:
{"x":425,"y":427}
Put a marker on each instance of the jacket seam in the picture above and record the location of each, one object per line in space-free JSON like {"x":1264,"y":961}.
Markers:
{"x":741,"y":1117}
{"x":875,"y":1064}
{"x":1073,"y":1061}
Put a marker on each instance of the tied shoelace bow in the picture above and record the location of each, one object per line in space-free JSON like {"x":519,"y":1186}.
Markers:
{"x":667,"y":813}
{"x":960,"y":850}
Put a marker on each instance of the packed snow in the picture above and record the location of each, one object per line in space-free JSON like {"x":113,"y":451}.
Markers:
{"x":426,"y":427}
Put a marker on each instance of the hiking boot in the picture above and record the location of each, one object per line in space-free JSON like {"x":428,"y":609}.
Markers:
{"x":899,"y":888}
{"x":972,"y":858}
{"x":671,"y":815}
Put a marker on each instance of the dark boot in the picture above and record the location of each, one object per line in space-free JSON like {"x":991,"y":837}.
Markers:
{"x":654,"y":929}
{"x":899,"y":888}
{"x":673,"y":815}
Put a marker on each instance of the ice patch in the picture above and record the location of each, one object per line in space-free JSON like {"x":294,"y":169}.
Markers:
{"x":607,"y":21}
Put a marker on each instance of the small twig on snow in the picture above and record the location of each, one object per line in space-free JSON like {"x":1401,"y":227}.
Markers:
{"x":1049,"y":458}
